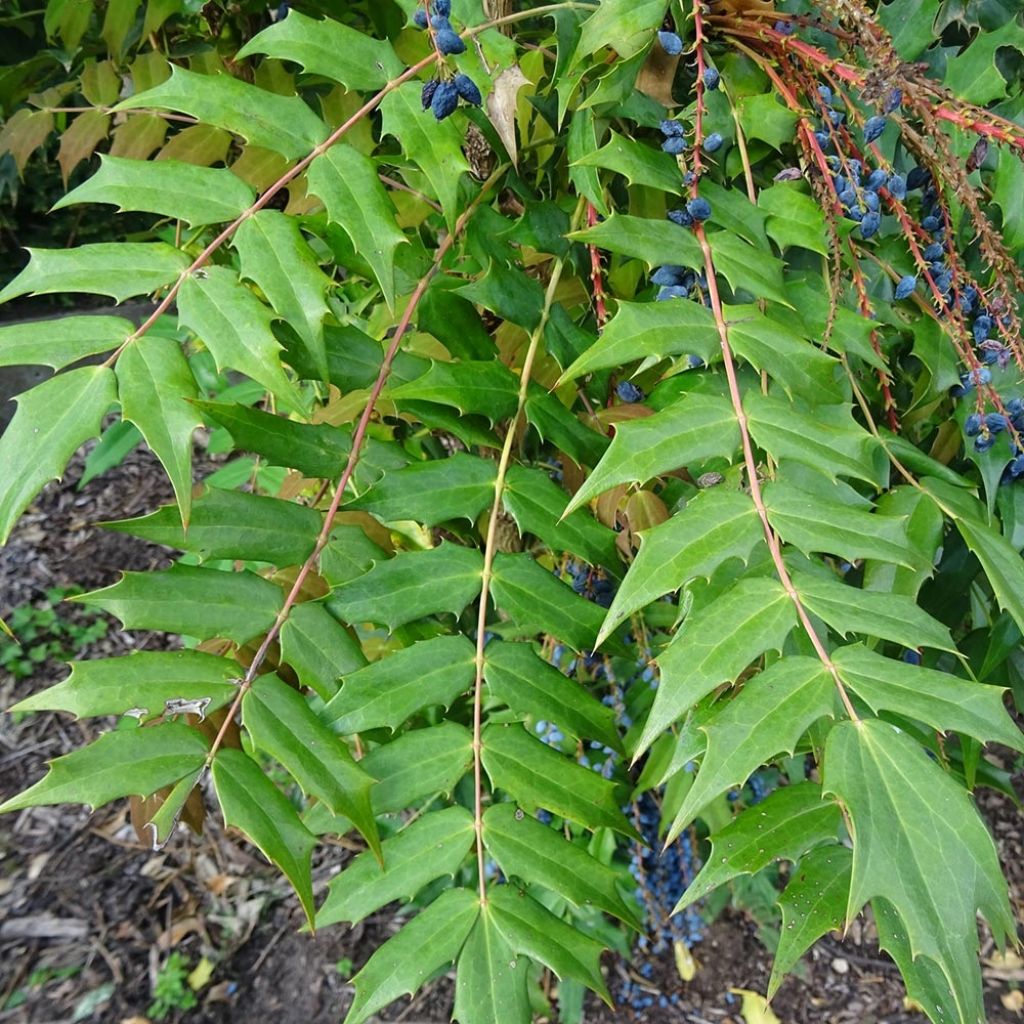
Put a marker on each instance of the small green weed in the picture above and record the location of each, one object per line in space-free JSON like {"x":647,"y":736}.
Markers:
{"x":172,"y":991}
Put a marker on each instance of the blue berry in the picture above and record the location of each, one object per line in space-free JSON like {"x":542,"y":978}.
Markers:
{"x":713,"y":143}
{"x":876,"y":179}
{"x":445,"y":100}
{"x":848,"y":196}
{"x":674,"y":145}
{"x":427,"y":94}
{"x":822,"y":138}
{"x":931,"y":223}
{"x":670,"y":43}
{"x":419,"y":18}
{"x":699,"y":208}
{"x":897,"y":187}
{"x":906,"y":286}
{"x":836,"y":117}
{"x":672,"y":291}
{"x":670,"y":129}
{"x":917,"y":178}
{"x":448,"y":42}
{"x":912,"y":657}
{"x":786,"y":28}
{"x":972,"y":425}
{"x":935,"y":251}
{"x":873,"y":128}
{"x":1016,"y":467}
{"x":980,"y":328}
{"x":443,"y":7}
{"x":995,"y":422}
{"x":711,"y":78}
{"x":669,"y":275}
{"x":826,"y":95}
{"x":983,"y":442}
{"x":892,"y":101}
{"x":467,"y":89}
{"x":681,"y":217}
{"x":870,"y":224}
{"x":870,"y":199}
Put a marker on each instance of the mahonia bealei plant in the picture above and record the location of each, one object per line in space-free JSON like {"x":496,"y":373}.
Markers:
{"x":633,"y":402}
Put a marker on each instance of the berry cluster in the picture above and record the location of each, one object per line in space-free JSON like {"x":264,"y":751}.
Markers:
{"x":441,"y":95}
{"x":447,"y":40}
{"x":676,"y":282}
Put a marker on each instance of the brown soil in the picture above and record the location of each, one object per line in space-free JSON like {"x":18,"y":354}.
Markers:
{"x":80,"y":896}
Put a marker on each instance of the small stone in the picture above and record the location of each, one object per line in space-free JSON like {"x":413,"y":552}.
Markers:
{"x":840,"y":966}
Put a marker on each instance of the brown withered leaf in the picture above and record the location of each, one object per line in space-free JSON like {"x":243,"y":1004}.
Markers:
{"x":501,"y":107}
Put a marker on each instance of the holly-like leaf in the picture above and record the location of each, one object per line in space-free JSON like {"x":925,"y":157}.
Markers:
{"x":427,"y":942}
{"x":150,"y":682}
{"x":537,"y":504}
{"x":56,"y":343}
{"x":530,"y":928}
{"x":490,"y":983}
{"x":275,"y":256}
{"x":625,"y":25}
{"x":1001,"y":562}
{"x":637,"y":162}
{"x":894,"y":793}
{"x":181,"y":191}
{"x":748,"y":268}
{"x":529,"y":685}
{"x":435,"y":147}
{"x":319,"y":648}
{"x":650,"y":330}
{"x":653,"y":241}
{"x":935,"y":698}
{"x":121,"y":270}
{"x":716,"y":526}
{"x":536,"y":776}
{"x":347,"y":183}
{"x":411,"y":585}
{"x":432,"y":492}
{"x":329,"y":48}
{"x":235,"y":326}
{"x":233,"y":524}
{"x":281,"y":723}
{"x":540,"y":855}
{"x":813,"y":904}
{"x":973,"y":74}
{"x":690,"y":431}
{"x":795,"y":218}
{"x":894,"y":617}
{"x":132,"y":761}
{"x":431,"y":847}
{"x":284,"y":124}
{"x":784,"y":826}
{"x":348,"y":554}
{"x":388,"y":691}
{"x":253,"y":804}
{"x":472,"y":386}
{"x":717,"y":642}
{"x":51,"y":422}
{"x":767,"y":717}
{"x":156,"y":388}
{"x":203,"y":603}
{"x":536,"y":602}
{"x":562,"y":428}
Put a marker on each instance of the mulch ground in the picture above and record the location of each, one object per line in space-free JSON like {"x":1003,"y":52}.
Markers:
{"x":88,"y":915}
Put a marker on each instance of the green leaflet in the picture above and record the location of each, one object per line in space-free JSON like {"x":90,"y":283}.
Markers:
{"x":348,"y":554}
{"x":936,"y":698}
{"x":973,"y":74}
{"x":162,"y":824}
{"x":233,"y":524}
{"x":627,"y":25}
{"x":327,"y":47}
{"x":925,"y":525}
{"x":537,"y":776}
{"x":644,"y":239}
{"x":418,"y":764}
{"x":347,"y":183}
{"x":784,"y":826}
{"x":203,"y":603}
{"x":387,"y":692}
{"x":319,"y":648}
{"x":511,"y":294}
{"x":714,"y":527}
{"x":197,"y":195}
{"x":748,"y":268}
{"x":274,"y":255}
{"x":540,"y":855}
{"x":811,"y":523}
{"x":536,"y":602}
{"x":283,"y":124}
{"x":1001,"y":562}
{"x":490,"y":983}
{"x":51,"y":422}
{"x":650,"y":330}
{"x":411,"y":585}
{"x":482,"y":386}
{"x":529,"y":685}
{"x":716,"y":643}
{"x":559,"y":425}
{"x":235,"y":326}
{"x":848,"y":609}
{"x":813,"y":904}
{"x":252,"y":803}
{"x":431,"y":847}
{"x":530,"y":928}
{"x":121,"y":270}
{"x":426,"y":942}
{"x":121,"y":763}
{"x":146,"y":680}
{"x":155,"y":387}
{"x":824,"y":437}
{"x":282,"y":723}
{"x":795,"y":218}
{"x":890,"y":788}
{"x":637,"y":162}
{"x":537,"y":505}
{"x":692,"y":430}
{"x":435,"y":147}
{"x":767,"y":717}
{"x":432,"y":492}
{"x":56,"y":343}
